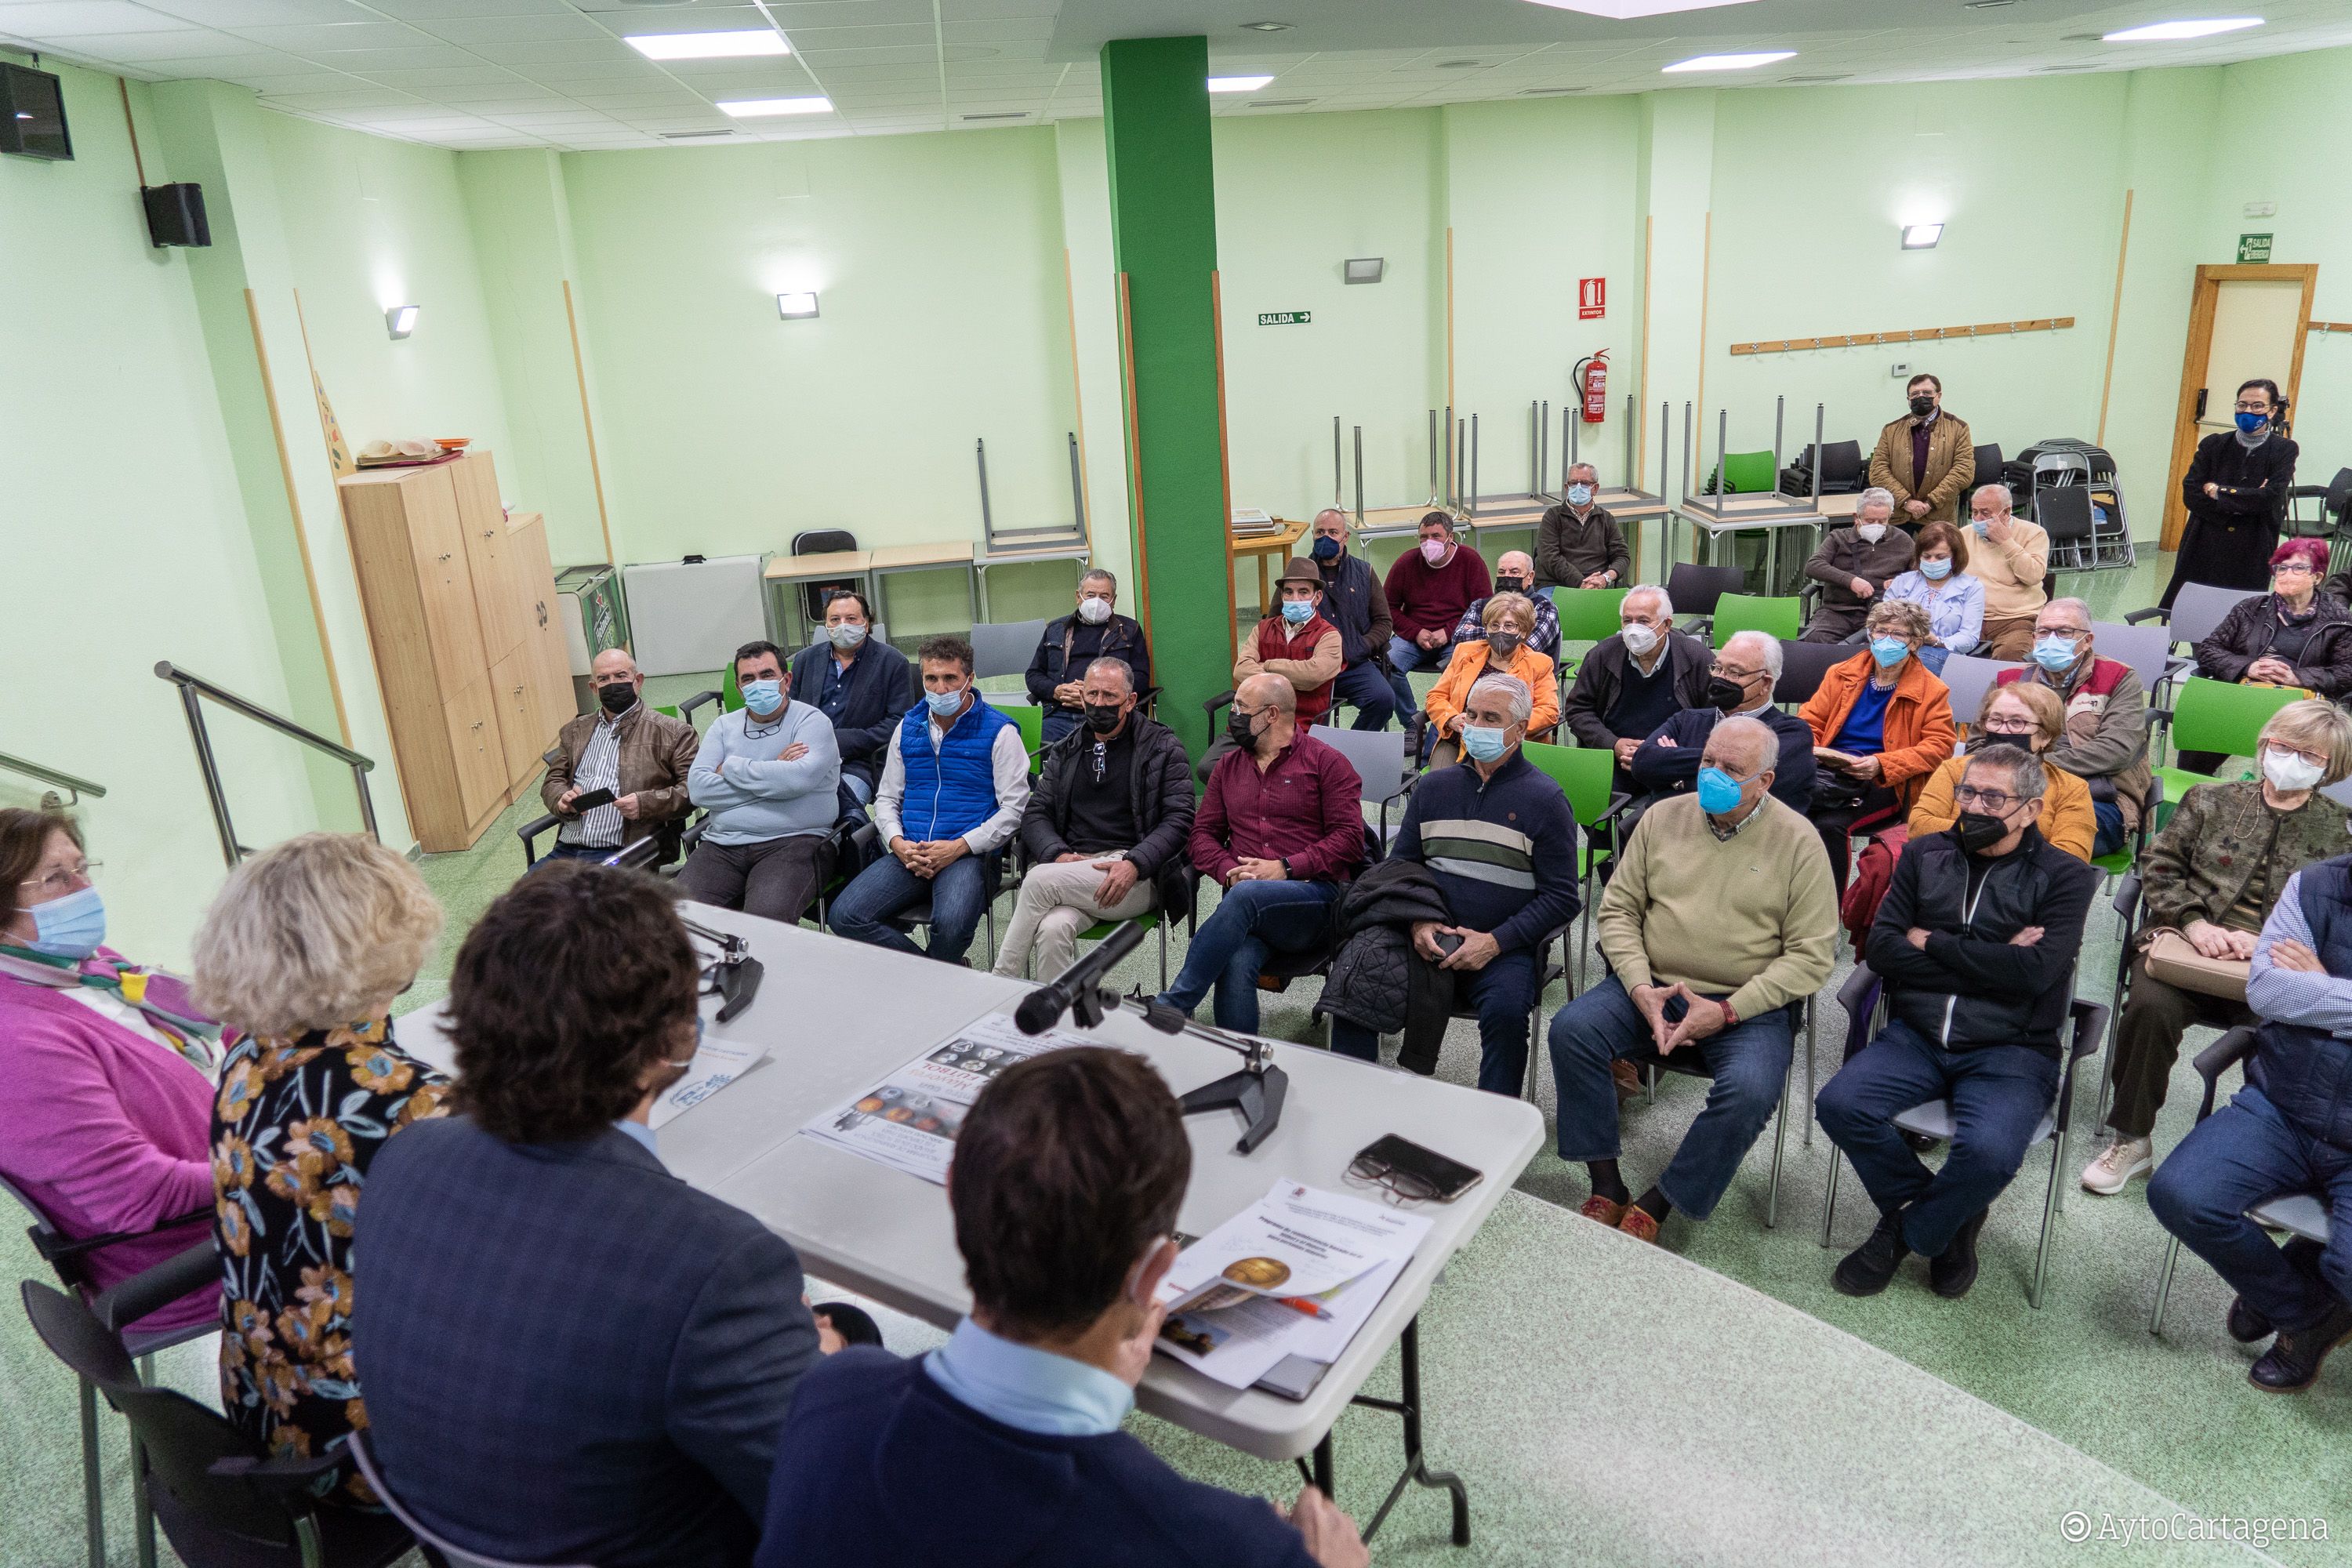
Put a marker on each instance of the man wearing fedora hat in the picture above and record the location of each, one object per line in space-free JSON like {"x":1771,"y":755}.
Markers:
{"x":1296,"y":644}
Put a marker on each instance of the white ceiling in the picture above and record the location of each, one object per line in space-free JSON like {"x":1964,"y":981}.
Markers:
{"x":554,"y":73}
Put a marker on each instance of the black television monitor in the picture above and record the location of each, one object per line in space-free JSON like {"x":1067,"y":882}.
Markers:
{"x":32,"y":114}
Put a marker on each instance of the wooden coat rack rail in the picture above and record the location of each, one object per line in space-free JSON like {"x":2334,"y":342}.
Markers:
{"x":2326,"y":328}
{"x":1921,"y":335}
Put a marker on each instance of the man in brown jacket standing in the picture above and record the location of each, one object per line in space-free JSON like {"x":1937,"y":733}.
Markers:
{"x":625,"y":746}
{"x":1926,"y":457}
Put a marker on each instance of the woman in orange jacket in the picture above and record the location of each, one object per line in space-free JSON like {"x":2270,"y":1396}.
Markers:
{"x":1509,"y":620}
{"x":1881,"y":723}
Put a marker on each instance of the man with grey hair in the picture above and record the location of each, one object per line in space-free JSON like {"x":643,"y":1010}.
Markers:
{"x":1495,"y":835}
{"x":1719,"y":922}
{"x":2009,"y":556}
{"x":1976,"y":941}
{"x":1056,"y":672}
{"x":642,"y":757}
{"x":2106,"y":744}
{"x":1747,"y":669}
{"x":1578,"y":543}
{"x":1634,"y":681}
{"x":1354,"y":602}
{"x":1854,"y":564}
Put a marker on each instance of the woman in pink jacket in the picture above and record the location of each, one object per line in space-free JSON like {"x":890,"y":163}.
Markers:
{"x":105,"y":1072}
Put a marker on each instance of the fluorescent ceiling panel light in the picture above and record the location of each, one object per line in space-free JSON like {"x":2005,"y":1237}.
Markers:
{"x":1265,"y":26}
{"x":1731,"y":62}
{"x":1921,"y":235}
{"x":1237,"y":83}
{"x":758,"y":108}
{"x":1628,"y":10}
{"x":708,"y":45}
{"x":400,"y":321}
{"x":796,"y":306}
{"x":2173,"y":32}
{"x":1365,"y":269}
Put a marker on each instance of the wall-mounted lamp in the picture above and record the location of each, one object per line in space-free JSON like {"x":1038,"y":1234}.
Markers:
{"x":400,"y":321}
{"x":796,"y":306}
{"x":1365,"y":269}
{"x":1921,"y":235}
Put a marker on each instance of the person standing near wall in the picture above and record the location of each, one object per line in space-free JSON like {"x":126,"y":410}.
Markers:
{"x":2236,"y":492}
{"x":1926,"y":457}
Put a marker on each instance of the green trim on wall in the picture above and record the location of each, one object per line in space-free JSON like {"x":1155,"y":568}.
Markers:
{"x":1164,"y":241}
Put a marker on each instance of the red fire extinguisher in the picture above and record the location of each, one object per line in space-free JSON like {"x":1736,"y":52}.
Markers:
{"x":1591,"y":375}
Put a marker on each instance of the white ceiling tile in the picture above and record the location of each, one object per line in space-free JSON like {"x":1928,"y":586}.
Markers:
{"x":427,"y":57}
{"x":358,"y":96}
{"x":894,"y":55}
{"x":261,"y":13}
{"x":143,"y":47}
{"x":512,"y":91}
{"x":595,"y":98}
{"x":610,"y":73}
{"x":432,"y":80}
{"x":340,"y":36}
{"x":1010,"y":30}
{"x":424,"y":10}
{"x":472,"y":29}
{"x":48,"y":18}
{"x":559,"y":51}
{"x":851,"y":13}
{"x":274,"y":85}
{"x":819,"y":40}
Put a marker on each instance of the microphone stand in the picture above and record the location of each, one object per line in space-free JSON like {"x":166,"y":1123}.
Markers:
{"x":734,"y":972}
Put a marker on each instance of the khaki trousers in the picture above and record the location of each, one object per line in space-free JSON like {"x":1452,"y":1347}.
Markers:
{"x":1055,"y":903}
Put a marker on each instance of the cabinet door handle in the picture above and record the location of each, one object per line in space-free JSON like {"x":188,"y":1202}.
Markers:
{"x":443,"y":556}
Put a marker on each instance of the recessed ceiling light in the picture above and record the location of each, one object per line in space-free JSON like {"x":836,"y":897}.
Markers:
{"x":1459,"y":65}
{"x":1988,"y":5}
{"x":2168,"y":32}
{"x":758,"y":108}
{"x":1921,"y":235}
{"x":1001,"y":114}
{"x":1237,"y":83}
{"x":1265,"y":26}
{"x":694,"y":136}
{"x":796,"y":306}
{"x":1628,"y":10}
{"x":1547,"y":91}
{"x":1815,"y":80}
{"x":708,"y":45}
{"x":1280,"y":103}
{"x":2058,"y":70}
{"x":1738,"y":62}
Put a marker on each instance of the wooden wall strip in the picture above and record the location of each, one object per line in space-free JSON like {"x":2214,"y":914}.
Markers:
{"x":1917,"y":335}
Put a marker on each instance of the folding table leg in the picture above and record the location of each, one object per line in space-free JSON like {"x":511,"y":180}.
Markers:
{"x":2164,"y":1285}
{"x":1416,"y":1471}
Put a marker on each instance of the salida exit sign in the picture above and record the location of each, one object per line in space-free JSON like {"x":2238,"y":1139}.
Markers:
{"x":1284,"y":318}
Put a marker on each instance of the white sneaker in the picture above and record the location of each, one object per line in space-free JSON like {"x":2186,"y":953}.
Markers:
{"x":2117,"y":1164}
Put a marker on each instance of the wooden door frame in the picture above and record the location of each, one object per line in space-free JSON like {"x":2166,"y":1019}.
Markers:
{"x":2202,"y":304}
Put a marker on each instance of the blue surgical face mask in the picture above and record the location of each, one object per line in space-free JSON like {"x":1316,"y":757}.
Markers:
{"x":1325,"y":548}
{"x":1297,"y":612}
{"x":944,"y":703}
{"x":1580,"y":495}
{"x":2054,"y":653}
{"x":763,"y":696}
{"x":1936,"y":570}
{"x":1719,"y":792}
{"x":2250,"y":423}
{"x":1978,"y":524}
{"x":71,"y":927}
{"x":1889,"y":651}
{"x":1484,"y":745}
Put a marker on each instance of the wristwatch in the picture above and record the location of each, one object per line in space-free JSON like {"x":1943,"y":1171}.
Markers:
{"x":1285,"y":869}
{"x":1730,"y":1016}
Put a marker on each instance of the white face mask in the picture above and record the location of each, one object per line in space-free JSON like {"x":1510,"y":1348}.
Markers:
{"x":2290,"y":771}
{"x":1639,"y":639}
{"x":1094,"y":609}
{"x":1434,"y":549}
{"x":1872,"y":532}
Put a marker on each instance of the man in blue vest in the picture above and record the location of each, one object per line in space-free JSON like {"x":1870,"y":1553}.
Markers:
{"x":951,"y":793}
{"x":2289,"y":1130}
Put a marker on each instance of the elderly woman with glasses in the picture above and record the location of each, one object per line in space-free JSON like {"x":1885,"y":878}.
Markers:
{"x":2033,"y":718}
{"x":2292,"y":635}
{"x":1881,"y":723}
{"x":304,"y":951}
{"x":105,"y":1073}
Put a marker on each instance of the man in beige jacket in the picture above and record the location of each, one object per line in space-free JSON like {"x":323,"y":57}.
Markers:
{"x":2009,"y":556}
{"x":1926,"y":457}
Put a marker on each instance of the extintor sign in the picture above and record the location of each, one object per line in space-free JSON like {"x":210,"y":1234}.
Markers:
{"x":1592,"y":298}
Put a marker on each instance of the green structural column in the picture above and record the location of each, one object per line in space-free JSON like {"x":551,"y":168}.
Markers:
{"x":1163,"y":221}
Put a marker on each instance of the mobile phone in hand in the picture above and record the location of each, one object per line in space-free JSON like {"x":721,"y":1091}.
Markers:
{"x":1449,"y":943}
{"x":583,"y":805}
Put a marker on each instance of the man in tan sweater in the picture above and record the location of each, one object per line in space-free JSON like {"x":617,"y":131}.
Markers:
{"x":1719,"y":918}
{"x":2010,"y":557}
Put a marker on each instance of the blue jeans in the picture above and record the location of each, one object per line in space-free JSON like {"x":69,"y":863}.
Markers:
{"x":1058,"y":723}
{"x":1748,"y":1063}
{"x":1408,"y":657}
{"x":2111,"y":827}
{"x":563,"y":851}
{"x":1253,"y":919}
{"x":864,"y":908}
{"x":1503,"y":993}
{"x":1999,"y":1095}
{"x":1364,"y":685}
{"x":2243,"y":1153}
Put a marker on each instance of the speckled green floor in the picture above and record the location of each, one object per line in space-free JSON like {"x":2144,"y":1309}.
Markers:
{"x":2174,"y":1415}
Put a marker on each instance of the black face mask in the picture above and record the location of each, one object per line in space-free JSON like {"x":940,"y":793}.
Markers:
{"x":1979,"y":832}
{"x":1502,"y":644}
{"x":1243,"y":730}
{"x":1725,"y":694}
{"x":618,"y":698}
{"x":1510,"y":584}
{"x":1103,"y":718}
{"x":1923,"y":407}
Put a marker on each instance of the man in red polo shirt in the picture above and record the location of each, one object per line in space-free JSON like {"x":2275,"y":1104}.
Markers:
{"x":1281,"y":830}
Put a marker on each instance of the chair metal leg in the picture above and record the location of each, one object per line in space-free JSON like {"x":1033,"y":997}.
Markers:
{"x":2049,"y":1217}
{"x":1779,"y":1146}
{"x":1828,"y":1200}
{"x":1164,"y":953}
{"x":142,"y":1507}
{"x":2164,"y":1285}
{"x":1809,"y":1087}
{"x":93,"y":1495}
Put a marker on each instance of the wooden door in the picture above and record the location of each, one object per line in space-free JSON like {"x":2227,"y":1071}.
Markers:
{"x":478,"y":750}
{"x":526,"y":726}
{"x":444,"y":581}
{"x":2245,"y":323}
{"x":482,"y":521}
{"x":540,"y":612}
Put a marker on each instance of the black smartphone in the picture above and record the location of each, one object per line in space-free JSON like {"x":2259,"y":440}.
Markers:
{"x":1449,"y":943}
{"x":1414,"y":1170}
{"x":587,"y":803}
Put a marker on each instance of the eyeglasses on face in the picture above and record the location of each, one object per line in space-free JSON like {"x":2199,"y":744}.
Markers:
{"x":1993,"y":800}
{"x":60,"y":882}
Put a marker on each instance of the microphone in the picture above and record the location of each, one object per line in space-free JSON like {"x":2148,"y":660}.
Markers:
{"x":1042,"y":1008}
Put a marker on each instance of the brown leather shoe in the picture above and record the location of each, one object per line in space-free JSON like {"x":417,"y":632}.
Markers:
{"x":1628,"y":1077}
{"x":1608,"y":1211}
{"x":1638,"y":1224}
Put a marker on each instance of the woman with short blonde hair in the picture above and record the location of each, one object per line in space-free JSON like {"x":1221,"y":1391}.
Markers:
{"x":305,"y":949}
{"x":2033,"y":717}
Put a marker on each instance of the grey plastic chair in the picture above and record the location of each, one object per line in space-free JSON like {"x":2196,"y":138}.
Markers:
{"x":2303,"y":1215}
{"x":2196,"y":611}
{"x":2148,"y":649}
{"x":1381,"y":758}
{"x":457,"y":1556}
{"x":1695,"y":1067}
{"x":1970,"y":678}
{"x":1005,"y":648}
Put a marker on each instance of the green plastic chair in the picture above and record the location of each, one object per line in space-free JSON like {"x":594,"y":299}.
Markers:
{"x":2216,"y":716}
{"x":731,"y":696}
{"x":1746,"y":473}
{"x":1583,"y":774}
{"x":1032,"y":722}
{"x":1775,"y":617}
{"x":1586,"y":615}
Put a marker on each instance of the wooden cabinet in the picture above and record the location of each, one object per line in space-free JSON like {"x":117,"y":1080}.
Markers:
{"x":460,"y":604}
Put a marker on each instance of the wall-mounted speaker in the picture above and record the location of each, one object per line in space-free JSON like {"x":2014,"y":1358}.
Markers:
{"x":175,"y":214}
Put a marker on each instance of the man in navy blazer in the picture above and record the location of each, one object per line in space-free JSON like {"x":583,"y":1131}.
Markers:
{"x":567,"y":1354}
{"x":861,"y":683}
{"x":1003,"y":1447}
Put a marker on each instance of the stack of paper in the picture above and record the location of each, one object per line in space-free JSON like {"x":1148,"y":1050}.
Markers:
{"x":1252,"y":524}
{"x":1298,"y":1273}
{"x":717,"y":1063}
{"x":909,"y":1120}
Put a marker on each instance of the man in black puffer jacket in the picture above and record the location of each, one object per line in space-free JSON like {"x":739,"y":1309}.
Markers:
{"x":1976,"y":939}
{"x":1105,"y":827}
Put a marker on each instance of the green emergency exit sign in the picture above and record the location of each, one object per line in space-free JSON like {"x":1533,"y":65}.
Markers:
{"x":2253,"y":249}
{"x":1284,"y":318}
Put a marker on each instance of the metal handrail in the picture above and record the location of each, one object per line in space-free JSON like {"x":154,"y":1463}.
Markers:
{"x":52,"y":776}
{"x":193,"y":687}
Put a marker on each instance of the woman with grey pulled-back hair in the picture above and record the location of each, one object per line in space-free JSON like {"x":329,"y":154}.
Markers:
{"x":304,"y":950}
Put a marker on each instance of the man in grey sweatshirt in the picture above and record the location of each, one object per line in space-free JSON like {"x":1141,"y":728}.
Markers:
{"x":767,"y":773}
